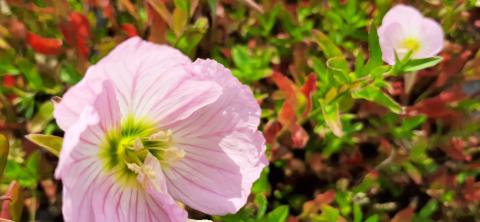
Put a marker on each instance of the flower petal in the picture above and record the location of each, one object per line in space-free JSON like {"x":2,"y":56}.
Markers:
{"x":147,"y":202}
{"x":81,"y":95}
{"x":390,"y":37}
{"x":431,"y":39}
{"x":407,"y":16}
{"x":79,"y":167}
{"x":224,"y":150}
{"x":143,"y":73}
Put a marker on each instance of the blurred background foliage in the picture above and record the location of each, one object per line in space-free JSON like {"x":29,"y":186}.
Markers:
{"x":349,"y":138}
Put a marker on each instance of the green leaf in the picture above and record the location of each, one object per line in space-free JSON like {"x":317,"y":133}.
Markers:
{"x":261,"y":185}
{"x":16,"y":203}
{"x":69,"y":74}
{"x":327,"y":45}
{"x":4,"y":149}
{"x":330,"y":213}
{"x":31,"y":74}
{"x":413,"y":172}
{"x":183,"y":4}
{"x":374,"y":94}
{"x":412,"y":123}
{"x":419,"y":64}
{"x":374,"y":49}
{"x":179,"y":21}
{"x":429,"y":208}
{"x":262,"y":204}
{"x":212,"y":5}
{"x":41,"y":118}
{"x":373,"y":218}
{"x":33,"y":162}
{"x":53,"y":144}
{"x":357,"y":213}
{"x":279,"y":214}
{"x":331,"y":115}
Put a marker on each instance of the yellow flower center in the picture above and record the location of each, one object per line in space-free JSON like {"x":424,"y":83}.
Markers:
{"x":124,"y":150}
{"x":411,"y":44}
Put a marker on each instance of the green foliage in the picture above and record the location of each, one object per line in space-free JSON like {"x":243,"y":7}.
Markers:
{"x":349,"y":137}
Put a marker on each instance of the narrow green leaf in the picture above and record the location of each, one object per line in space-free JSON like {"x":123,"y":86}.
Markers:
{"x":327,"y":45}
{"x":212,"y":5}
{"x":429,"y":208}
{"x":331,"y":115}
{"x":15,"y":206}
{"x":419,"y":64}
{"x":31,"y":74}
{"x":4,"y":149}
{"x":279,"y":214}
{"x":179,"y":21}
{"x":373,"y":218}
{"x":41,"y":118}
{"x":413,"y":172}
{"x":53,"y":144}
{"x":183,"y":4}
{"x":374,"y":49}
{"x":374,"y":94}
{"x":262,"y":203}
{"x":357,"y":213}
{"x":412,"y":123}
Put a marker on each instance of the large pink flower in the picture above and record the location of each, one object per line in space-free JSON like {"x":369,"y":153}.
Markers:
{"x":146,"y":127}
{"x":404,"y":30}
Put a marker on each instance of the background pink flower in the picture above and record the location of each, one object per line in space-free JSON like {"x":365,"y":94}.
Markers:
{"x":146,"y":127}
{"x":404,"y":29}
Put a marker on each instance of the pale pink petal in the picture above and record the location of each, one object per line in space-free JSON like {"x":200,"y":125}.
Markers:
{"x":147,"y":202}
{"x":407,"y":16}
{"x":224,"y":151}
{"x":145,"y":76}
{"x":390,"y":37}
{"x":431,"y":39}
{"x":78,"y":97}
{"x":79,"y":167}
{"x":84,"y":136}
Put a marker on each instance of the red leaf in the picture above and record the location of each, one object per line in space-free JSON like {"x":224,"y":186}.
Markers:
{"x":9,"y":81}
{"x":472,"y":190}
{"x":129,"y":29}
{"x":286,"y":116}
{"x":47,"y":46}
{"x":76,"y":31}
{"x":271,"y":130}
{"x":307,"y":90}
{"x":299,"y":136}
{"x":438,"y":107}
{"x":325,"y":198}
{"x":451,"y":67}
{"x":17,"y":29}
{"x":405,"y":215}
{"x":11,"y":196}
{"x":455,"y":150}
{"x":286,"y":86}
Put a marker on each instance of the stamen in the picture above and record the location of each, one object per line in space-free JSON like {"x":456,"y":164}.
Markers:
{"x":172,"y":154}
{"x":138,"y":145}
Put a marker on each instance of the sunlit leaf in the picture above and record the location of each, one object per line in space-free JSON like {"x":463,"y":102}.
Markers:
{"x":279,"y":214}
{"x":4,"y":149}
{"x":49,"y":142}
{"x":43,"y":116}
{"x":331,"y":114}
{"x":374,"y":94}
{"x":419,"y":64}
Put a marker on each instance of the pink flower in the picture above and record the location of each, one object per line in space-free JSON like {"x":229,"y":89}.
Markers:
{"x":146,"y":127}
{"x":404,"y":30}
